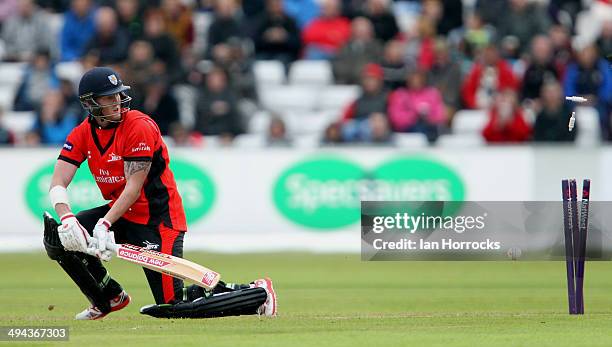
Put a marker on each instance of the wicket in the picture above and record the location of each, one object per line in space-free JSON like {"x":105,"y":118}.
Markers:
{"x":575,"y":225}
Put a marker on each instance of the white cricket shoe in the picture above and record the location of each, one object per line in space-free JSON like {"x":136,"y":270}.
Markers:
{"x":116,"y":304}
{"x":269,"y":307}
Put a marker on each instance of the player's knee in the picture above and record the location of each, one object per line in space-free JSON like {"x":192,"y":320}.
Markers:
{"x":51,"y":240}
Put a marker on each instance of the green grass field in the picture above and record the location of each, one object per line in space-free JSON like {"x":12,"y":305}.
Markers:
{"x":334,"y":300}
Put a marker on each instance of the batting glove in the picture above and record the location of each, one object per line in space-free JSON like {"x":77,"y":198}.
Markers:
{"x":72,"y":234}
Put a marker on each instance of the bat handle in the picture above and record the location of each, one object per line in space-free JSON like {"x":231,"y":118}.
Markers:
{"x":112,"y":246}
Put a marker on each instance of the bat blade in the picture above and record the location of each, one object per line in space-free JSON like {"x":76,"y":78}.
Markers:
{"x":168,"y":264}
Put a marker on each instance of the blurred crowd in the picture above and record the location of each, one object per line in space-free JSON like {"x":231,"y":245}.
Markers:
{"x":416,"y":63}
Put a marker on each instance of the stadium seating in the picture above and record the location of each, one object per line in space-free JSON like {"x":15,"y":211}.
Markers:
{"x":268,"y":72}
{"x":311,"y":72}
{"x":259,"y":122}
{"x":250,"y":141}
{"x":283,"y":99}
{"x":71,"y":71}
{"x":18,"y":123}
{"x":587,"y":121}
{"x":460,"y":140}
{"x":10,"y":74}
{"x":469,"y":121}
{"x":410,"y":140}
{"x":337,"y":98}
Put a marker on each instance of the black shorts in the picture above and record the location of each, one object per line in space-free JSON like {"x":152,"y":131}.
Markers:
{"x":166,"y":240}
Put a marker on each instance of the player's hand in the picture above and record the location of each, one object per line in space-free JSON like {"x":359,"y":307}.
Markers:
{"x":72,"y":234}
{"x":104,"y":255}
{"x":100,"y":232}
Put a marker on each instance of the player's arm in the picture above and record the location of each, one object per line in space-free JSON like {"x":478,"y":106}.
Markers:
{"x":135,"y":175}
{"x":62,"y":176}
{"x":72,"y":234}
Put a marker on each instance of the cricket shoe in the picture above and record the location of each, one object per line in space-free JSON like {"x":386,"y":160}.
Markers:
{"x":269,"y":307}
{"x":93,"y":313}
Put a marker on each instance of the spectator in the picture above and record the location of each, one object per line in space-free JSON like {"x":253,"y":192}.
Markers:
{"x":90,"y":60}
{"x":54,"y":6}
{"x":182,"y":137}
{"x":225,"y":32}
{"x":541,"y":68}
{"x":394,"y":65}
{"x":139,"y":67}
{"x":130,"y":20}
{"x":38,"y":80}
{"x":160,"y":103}
{"x":385,"y":25}
{"x":71,"y":99}
{"x":332,"y":134}
{"x":216,"y":110}
{"x":591,"y":77}
{"x":79,"y":28}
{"x":488,"y":75}
{"x":417,"y":108}
{"x":253,"y":8}
{"x":229,"y":48}
{"x":380,"y":132}
{"x":490,"y":10}
{"x":420,"y":50}
{"x":303,"y":11}
{"x":362,"y":49}
{"x":446,"y":15}
{"x":533,"y":21}
{"x":277,"y":36}
{"x":565,"y":11}
{"x":53,"y":122}
{"x":562,"y":48}
{"x":551,"y":122}
{"x":6,"y":136}
{"x":372,"y":102}
{"x":179,"y":23}
{"x":324,"y":36}
{"x":506,"y":121}
{"x":109,"y":41}
{"x":472,"y":37}
{"x":445,"y":76}
{"x":604,"y":42}
{"x":8,"y":8}
{"x":277,"y":133}
{"x":164,"y":46}
{"x":25,"y":33}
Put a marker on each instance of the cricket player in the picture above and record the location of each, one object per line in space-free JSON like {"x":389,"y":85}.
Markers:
{"x":129,"y":162}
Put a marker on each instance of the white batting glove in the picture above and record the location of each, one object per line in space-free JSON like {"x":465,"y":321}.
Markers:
{"x":72,"y":234}
{"x":104,"y":255}
{"x":100,"y":232}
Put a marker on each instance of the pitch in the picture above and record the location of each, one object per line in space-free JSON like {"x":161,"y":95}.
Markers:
{"x":334,"y":300}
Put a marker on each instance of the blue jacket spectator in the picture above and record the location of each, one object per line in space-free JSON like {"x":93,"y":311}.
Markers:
{"x":79,"y":28}
{"x":54,"y":122}
{"x":39,"y":78}
{"x":109,"y":41}
{"x":591,"y":77}
{"x":303,"y":11}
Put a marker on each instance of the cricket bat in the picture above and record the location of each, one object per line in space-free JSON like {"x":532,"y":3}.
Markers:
{"x":168,"y":264}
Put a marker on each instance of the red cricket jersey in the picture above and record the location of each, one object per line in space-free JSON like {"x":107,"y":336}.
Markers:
{"x":137,"y":138}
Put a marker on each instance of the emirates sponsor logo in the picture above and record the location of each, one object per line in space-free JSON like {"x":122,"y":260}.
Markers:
{"x":209,"y":278}
{"x":142,"y":147}
{"x":140,"y":257}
